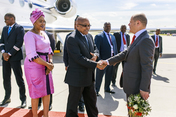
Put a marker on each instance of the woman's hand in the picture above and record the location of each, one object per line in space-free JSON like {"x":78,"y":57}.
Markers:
{"x":50,"y":66}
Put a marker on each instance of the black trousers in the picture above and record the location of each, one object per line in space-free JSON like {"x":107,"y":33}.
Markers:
{"x":114,"y":73}
{"x":90,"y":100}
{"x":16,"y":67}
{"x":108,"y":76}
{"x":156,"y":56}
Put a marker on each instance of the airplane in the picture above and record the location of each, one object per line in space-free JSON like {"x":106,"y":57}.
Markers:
{"x":51,"y":8}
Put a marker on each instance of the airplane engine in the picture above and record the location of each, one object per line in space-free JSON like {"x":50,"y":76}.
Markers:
{"x":65,"y":8}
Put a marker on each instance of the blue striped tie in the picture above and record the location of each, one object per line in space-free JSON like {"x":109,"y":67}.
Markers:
{"x":9,"y":30}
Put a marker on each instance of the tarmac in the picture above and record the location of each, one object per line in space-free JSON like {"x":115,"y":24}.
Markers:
{"x":162,"y":97}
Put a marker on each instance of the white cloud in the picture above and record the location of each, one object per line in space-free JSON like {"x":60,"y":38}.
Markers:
{"x":154,"y":5}
{"x":128,"y":6}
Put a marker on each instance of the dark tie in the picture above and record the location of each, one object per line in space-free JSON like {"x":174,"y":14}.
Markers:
{"x":110,"y":38}
{"x":156,"y":42}
{"x":133,"y":39}
{"x":124,"y":42}
{"x":9,"y":30}
{"x":86,"y":41}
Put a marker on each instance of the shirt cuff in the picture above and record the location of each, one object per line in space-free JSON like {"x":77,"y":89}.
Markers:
{"x":9,"y":54}
{"x":107,"y":62}
{"x":2,"y":51}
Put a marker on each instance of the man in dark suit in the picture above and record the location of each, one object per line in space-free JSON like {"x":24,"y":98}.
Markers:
{"x":138,"y":59}
{"x":158,"y":48}
{"x":123,"y":41}
{"x":82,"y":55}
{"x":65,"y":59}
{"x":107,"y":46}
{"x":10,"y":45}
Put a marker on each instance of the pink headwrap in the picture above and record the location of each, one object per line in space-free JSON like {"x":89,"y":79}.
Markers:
{"x":35,"y":15}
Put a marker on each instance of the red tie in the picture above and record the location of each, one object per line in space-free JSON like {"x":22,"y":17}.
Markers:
{"x":156,"y":42}
{"x":124,"y":42}
{"x":110,"y":38}
{"x":133,"y":39}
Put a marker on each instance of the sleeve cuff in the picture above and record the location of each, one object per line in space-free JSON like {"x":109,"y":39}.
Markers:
{"x":107,"y":62}
{"x":2,"y":51}
{"x":9,"y":54}
{"x":35,"y":57}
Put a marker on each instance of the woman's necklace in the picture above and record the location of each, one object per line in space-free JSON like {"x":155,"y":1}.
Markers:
{"x":39,"y":33}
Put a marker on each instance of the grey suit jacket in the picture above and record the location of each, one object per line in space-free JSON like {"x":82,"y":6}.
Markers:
{"x":80,"y":72}
{"x":160,"y":43}
{"x":138,"y":59}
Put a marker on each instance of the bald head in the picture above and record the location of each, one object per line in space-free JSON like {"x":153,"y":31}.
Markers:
{"x":83,"y":25}
{"x":141,"y":17}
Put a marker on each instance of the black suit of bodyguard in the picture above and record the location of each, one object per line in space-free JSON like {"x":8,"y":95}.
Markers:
{"x":80,"y":73}
{"x":10,"y":46}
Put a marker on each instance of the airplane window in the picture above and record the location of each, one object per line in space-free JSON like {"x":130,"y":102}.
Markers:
{"x":11,"y":1}
{"x":21,"y":3}
{"x":30,"y":5}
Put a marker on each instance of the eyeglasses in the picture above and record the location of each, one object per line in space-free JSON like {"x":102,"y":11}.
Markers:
{"x":85,"y":25}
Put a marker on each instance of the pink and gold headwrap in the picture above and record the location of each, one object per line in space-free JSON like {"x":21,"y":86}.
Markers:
{"x":35,"y":15}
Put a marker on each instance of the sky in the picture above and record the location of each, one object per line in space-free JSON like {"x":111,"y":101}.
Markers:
{"x":160,"y":13}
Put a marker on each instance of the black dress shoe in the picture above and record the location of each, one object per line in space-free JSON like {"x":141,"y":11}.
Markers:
{"x":23,"y":104}
{"x":50,"y":107}
{"x":5,"y":101}
{"x":81,"y":108}
{"x":110,"y":92}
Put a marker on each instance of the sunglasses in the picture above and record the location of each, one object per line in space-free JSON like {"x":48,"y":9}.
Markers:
{"x":85,"y":25}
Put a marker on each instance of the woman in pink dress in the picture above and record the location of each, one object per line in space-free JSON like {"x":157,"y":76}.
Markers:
{"x":38,"y":63}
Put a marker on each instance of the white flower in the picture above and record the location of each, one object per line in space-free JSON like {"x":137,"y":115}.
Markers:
{"x":136,"y":98}
{"x":129,"y":99}
{"x":135,"y":106}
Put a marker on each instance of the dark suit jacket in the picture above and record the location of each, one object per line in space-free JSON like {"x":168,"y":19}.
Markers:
{"x":80,"y":72}
{"x":65,"y":56}
{"x":13,"y":42}
{"x":52,"y":40}
{"x":104,"y":47}
{"x":138,"y":67}
{"x":118,"y":40}
{"x":160,"y":43}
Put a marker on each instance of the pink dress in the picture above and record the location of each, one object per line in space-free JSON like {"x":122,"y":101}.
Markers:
{"x":39,"y":84}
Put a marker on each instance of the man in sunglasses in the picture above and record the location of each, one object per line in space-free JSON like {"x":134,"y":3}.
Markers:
{"x":82,"y":54}
{"x":107,"y":46}
{"x":65,"y":59}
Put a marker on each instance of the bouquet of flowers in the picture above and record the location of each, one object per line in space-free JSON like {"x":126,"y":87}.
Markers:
{"x":138,"y":106}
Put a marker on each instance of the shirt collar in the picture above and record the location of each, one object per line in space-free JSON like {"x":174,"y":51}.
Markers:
{"x":139,"y":32}
{"x":12,"y":25}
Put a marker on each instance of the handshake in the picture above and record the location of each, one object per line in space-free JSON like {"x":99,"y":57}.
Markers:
{"x":102,"y":64}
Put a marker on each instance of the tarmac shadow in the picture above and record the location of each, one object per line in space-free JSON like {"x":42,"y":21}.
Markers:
{"x":107,"y":104}
{"x":158,"y":77}
{"x":119,"y":93}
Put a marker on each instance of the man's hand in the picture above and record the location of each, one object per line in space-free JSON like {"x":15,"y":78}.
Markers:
{"x":160,"y":55}
{"x":94,"y":57}
{"x":101,"y":64}
{"x":66,"y":68}
{"x":145,"y":95}
{"x":6,"y":56}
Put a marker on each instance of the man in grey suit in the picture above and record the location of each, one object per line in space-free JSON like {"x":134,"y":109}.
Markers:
{"x":158,"y":48}
{"x":138,"y":59}
{"x":107,"y":46}
{"x":82,"y":54}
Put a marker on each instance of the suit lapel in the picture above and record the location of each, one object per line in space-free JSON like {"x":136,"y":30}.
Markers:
{"x":138,"y":39}
{"x":83,"y":40}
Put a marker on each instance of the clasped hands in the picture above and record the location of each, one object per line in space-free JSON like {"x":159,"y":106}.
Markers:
{"x":102,"y":64}
{"x":6,"y":56}
{"x":50,"y":67}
